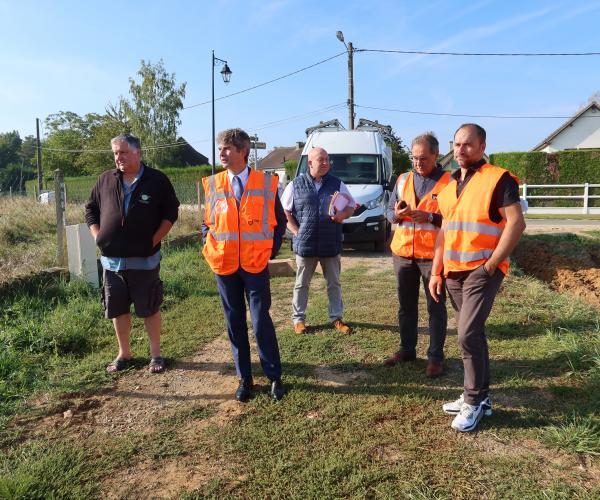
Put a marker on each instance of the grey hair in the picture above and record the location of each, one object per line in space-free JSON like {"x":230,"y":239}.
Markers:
{"x":428,"y":138}
{"x":132,"y":140}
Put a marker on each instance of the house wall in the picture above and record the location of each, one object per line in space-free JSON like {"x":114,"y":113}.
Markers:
{"x":583,"y":133}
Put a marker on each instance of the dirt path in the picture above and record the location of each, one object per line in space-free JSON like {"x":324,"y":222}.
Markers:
{"x":139,"y":401}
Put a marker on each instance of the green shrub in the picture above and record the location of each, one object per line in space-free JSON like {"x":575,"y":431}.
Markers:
{"x":562,"y":167}
{"x":184,"y":181}
{"x":290,"y":168}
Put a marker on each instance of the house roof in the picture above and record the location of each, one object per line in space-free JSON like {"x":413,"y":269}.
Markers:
{"x":568,"y":123}
{"x":188,"y":156}
{"x":279,"y":156}
{"x":447,"y":161}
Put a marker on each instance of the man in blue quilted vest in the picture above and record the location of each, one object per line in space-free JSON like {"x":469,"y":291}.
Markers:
{"x":317,"y":231}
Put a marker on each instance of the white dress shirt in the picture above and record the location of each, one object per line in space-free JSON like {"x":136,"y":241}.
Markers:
{"x":287,"y":198}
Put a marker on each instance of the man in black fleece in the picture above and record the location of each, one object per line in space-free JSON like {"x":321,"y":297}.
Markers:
{"x":130,"y":210}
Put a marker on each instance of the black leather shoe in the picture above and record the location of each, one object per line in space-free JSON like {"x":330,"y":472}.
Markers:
{"x":277,"y":390}
{"x":244,"y":390}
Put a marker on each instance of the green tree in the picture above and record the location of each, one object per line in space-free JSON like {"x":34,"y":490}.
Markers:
{"x":10,"y":161}
{"x":400,"y":157}
{"x":290,"y":168}
{"x":153,"y":112}
{"x":66,"y":133}
{"x":97,"y":157}
{"x":29,"y":151}
{"x":10,"y":147}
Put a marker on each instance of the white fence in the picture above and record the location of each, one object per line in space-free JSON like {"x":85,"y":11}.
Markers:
{"x":585,"y":197}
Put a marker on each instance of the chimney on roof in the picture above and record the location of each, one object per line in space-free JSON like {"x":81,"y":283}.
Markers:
{"x":299,"y":145}
{"x":451,"y":145}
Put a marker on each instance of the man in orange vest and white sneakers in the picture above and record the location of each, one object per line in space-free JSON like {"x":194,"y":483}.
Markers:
{"x":483,"y":222}
{"x":413,"y":206}
{"x":243,"y":228}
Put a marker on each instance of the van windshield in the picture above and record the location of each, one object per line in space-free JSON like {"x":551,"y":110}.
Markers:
{"x":350,"y":168}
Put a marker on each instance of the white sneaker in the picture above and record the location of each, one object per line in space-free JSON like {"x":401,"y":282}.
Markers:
{"x":468,"y":417}
{"x":454,"y":407}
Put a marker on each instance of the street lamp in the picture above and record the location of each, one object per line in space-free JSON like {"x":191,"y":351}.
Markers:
{"x":350,"y":50}
{"x":226,"y":74}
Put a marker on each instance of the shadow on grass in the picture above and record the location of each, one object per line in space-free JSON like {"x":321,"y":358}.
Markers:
{"x":529,"y":404}
{"x":327,"y":328}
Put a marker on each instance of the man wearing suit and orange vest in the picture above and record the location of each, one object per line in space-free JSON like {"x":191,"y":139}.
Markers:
{"x":413,"y":206}
{"x":483,"y":222}
{"x":243,"y":228}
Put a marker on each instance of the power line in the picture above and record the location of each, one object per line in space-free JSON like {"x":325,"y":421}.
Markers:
{"x":483,"y":54}
{"x":462,"y":115}
{"x":298,"y":117}
{"x":180,"y":143}
{"x":145,"y":148}
{"x":266,"y":83}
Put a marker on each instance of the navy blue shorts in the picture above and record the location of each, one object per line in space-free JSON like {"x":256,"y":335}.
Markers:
{"x":120,"y":289}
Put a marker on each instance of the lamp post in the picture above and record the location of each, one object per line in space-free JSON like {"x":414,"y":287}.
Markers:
{"x":350,"y":50}
{"x":226,"y":74}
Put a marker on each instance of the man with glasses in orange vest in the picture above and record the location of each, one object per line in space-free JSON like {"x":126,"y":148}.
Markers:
{"x":413,"y":206}
{"x":243,"y":228}
{"x":483,"y":222}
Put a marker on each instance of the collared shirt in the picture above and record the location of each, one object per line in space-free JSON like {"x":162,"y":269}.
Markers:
{"x":423,"y":184}
{"x":134,"y":263}
{"x":243,"y":176}
{"x":505,"y":193}
{"x":287,"y":198}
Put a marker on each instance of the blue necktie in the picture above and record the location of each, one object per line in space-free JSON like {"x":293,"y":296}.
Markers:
{"x":238,"y":189}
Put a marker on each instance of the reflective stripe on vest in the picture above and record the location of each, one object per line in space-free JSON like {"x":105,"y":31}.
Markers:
{"x":422,"y":226}
{"x":467,"y":256}
{"x":473,"y":227}
{"x":239,"y":235}
{"x":416,"y":240}
{"x":224,"y":236}
{"x":470,"y":236}
{"x":400,"y":185}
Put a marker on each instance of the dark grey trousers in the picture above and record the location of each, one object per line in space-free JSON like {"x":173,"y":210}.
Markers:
{"x":409,"y":274}
{"x":472,"y":295}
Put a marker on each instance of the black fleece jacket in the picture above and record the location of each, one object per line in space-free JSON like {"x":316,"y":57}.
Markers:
{"x":152,"y":201}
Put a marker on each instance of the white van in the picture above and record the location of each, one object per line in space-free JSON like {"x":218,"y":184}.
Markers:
{"x":363,"y":160}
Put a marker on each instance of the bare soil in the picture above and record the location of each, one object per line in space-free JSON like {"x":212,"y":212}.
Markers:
{"x":140,"y":400}
{"x":565,"y":267}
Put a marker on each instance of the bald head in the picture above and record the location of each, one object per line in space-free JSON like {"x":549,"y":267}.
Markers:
{"x":318,"y":163}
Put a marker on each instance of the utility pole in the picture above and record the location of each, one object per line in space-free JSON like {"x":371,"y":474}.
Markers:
{"x":39,"y":155}
{"x":350,"y":86}
{"x":350,"y":50}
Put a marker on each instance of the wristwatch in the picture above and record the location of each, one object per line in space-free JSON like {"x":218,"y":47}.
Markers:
{"x":430,"y":218}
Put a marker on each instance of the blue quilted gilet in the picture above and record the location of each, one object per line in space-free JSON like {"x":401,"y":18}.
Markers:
{"x":318,"y":235}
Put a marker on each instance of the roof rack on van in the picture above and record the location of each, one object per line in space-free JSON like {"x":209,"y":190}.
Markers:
{"x":363,"y":124}
{"x":386,"y":130}
{"x":328,"y":125}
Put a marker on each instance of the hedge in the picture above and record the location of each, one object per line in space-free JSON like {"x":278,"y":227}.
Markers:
{"x":562,"y":167}
{"x":183,"y":180}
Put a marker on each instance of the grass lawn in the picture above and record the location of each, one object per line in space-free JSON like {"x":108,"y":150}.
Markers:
{"x":349,"y":427}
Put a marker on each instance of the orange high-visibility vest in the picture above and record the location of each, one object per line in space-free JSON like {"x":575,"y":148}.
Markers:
{"x":417,"y":239}
{"x":470,"y":237}
{"x":239,"y":236}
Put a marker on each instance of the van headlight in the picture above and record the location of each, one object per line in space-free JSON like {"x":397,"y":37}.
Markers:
{"x":375,"y":202}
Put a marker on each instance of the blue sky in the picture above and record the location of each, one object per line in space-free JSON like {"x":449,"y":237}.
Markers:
{"x":78,"y":56}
